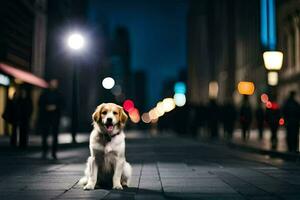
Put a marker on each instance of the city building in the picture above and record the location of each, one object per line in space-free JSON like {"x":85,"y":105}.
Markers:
{"x":120,"y":60}
{"x":224,"y":48}
{"x":140,"y":90}
{"x":22,"y":50}
{"x":288,"y":18}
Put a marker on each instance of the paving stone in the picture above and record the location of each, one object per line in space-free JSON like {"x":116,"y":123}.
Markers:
{"x":82,"y":194}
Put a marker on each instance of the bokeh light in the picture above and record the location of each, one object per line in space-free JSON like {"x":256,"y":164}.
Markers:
{"x":180,"y":88}
{"x":269,"y":104}
{"x":246,"y":88}
{"x":213,"y":89}
{"x":128,"y":105}
{"x":153,"y":114}
{"x":108,"y":83}
{"x":146,"y":118}
{"x":179,"y":99}
{"x":275,"y":106}
{"x":264,"y":98}
{"x":160,"y":109}
{"x":168,"y":104}
{"x":281,"y":121}
{"x":134,"y":115}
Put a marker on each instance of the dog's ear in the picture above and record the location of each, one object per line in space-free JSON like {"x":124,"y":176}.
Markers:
{"x":123,"y":116}
{"x":97,"y":114}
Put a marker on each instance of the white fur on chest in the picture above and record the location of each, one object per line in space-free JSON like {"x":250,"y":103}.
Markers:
{"x":117,"y":144}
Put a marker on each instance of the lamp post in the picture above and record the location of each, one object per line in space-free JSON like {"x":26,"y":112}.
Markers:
{"x":75,"y":42}
{"x":273,"y":63}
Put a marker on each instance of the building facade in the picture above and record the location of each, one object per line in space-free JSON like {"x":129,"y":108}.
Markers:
{"x":288,"y":18}
{"x":223,"y":47}
{"x":22,"y":47}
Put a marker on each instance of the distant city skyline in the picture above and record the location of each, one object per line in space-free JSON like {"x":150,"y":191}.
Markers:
{"x":157,"y":31}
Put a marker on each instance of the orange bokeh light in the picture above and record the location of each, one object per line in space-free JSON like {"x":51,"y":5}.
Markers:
{"x":246,"y":88}
{"x":134,"y":115}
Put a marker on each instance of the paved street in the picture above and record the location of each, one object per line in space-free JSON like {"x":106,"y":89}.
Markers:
{"x":163,"y":168}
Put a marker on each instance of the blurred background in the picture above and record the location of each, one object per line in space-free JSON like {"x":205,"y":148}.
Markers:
{"x":206,"y":67}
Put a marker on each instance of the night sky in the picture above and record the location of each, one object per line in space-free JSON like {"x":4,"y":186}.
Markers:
{"x":157,"y":31}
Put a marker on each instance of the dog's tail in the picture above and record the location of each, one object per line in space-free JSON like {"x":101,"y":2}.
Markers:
{"x":83,"y":181}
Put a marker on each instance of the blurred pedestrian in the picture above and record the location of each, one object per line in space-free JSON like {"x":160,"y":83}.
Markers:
{"x":272,"y":117}
{"x":245,"y":118}
{"x":201,"y":117}
{"x":50,"y":105}
{"x":213,"y":117}
{"x":228,"y":117}
{"x":18,"y":112}
{"x":192,"y":121}
{"x":291,"y":113}
{"x":260,"y":119}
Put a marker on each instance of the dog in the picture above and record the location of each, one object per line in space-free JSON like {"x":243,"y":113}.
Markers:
{"x":107,"y":149}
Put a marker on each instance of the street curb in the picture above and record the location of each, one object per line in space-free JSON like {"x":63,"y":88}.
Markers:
{"x":285,"y":156}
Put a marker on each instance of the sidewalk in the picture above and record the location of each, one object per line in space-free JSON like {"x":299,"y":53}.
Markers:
{"x":166,"y":167}
{"x":264,"y":146}
{"x":35,"y":141}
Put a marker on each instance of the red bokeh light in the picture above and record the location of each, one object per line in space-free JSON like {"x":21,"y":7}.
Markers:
{"x":269,"y":104}
{"x":275,"y":106}
{"x":272,"y":105}
{"x":281,"y":121}
{"x":264,"y":98}
{"x":128,"y":105}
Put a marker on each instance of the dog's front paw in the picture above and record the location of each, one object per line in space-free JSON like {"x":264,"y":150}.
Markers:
{"x":89,"y":187}
{"x":118,"y":187}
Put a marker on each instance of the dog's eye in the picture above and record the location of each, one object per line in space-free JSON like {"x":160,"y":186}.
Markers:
{"x":104,"y":113}
{"x":115,"y":113}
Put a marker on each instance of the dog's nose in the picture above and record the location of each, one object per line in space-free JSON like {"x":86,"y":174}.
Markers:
{"x":109,"y":120}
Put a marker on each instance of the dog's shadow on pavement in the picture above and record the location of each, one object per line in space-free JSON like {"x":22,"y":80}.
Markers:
{"x":126,"y":192}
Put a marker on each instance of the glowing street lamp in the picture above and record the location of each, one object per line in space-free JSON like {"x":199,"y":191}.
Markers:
{"x":75,"y":42}
{"x":273,"y":78}
{"x":273,"y":60}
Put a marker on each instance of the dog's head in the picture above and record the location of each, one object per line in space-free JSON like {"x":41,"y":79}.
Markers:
{"x":110,"y":118}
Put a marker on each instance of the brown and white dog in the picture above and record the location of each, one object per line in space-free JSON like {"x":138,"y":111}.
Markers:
{"x":107,"y":149}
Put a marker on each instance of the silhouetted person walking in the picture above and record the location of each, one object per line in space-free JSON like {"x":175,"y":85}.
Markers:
{"x":260,"y":119}
{"x":272,"y":118}
{"x":25,"y":109}
{"x":245,"y":118}
{"x":291,"y":112}
{"x":229,"y":116}
{"x":213,"y":118}
{"x":50,"y":111}
{"x":18,"y":112}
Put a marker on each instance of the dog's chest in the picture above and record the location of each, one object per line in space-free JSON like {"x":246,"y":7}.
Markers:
{"x":108,"y":148}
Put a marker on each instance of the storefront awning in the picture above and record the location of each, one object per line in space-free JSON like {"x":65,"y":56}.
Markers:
{"x":23,"y":75}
